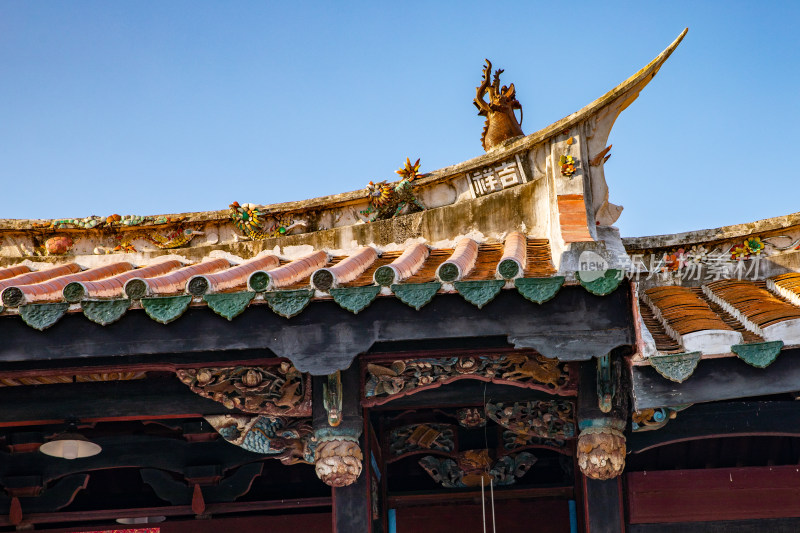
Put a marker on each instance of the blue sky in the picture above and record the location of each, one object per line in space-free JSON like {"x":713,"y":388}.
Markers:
{"x":160,"y":107}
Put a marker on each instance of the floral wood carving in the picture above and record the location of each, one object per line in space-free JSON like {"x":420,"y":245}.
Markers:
{"x":501,"y":123}
{"x":400,"y":378}
{"x":279,"y":390}
{"x":545,"y":421}
{"x":290,"y":441}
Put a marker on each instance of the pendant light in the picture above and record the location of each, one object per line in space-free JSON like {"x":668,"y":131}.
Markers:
{"x":70,"y":444}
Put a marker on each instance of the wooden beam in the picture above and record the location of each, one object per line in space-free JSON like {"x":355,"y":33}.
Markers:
{"x":575,"y":325}
{"x":723,"y":420}
{"x":717,"y":379}
{"x":101,"y":401}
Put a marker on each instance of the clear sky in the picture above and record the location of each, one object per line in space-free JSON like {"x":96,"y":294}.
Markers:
{"x":152,"y":107}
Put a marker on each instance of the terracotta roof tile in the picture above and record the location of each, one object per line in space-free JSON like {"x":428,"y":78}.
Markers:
{"x":51,"y":289}
{"x":787,"y":286}
{"x":683,"y":310}
{"x":344,"y":271}
{"x":461,"y":263}
{"x":172,"y":283}
{"x":751,"y":303}
{"x":10,"y":272}
{"x":234,"y":278}
{"x":114,"y":287}
{"x":40,"y":275}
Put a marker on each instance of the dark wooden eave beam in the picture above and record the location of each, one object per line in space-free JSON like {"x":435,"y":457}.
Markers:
{"x":725,"y":378}
{"x":575,"y":325}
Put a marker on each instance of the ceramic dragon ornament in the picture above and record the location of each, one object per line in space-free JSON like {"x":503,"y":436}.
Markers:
{"x":501,"y":123}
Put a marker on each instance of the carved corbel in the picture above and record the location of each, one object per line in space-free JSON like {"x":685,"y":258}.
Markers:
{"x":337,"y":427}
{"x":338,"y":457}
{"x":601,"y":448}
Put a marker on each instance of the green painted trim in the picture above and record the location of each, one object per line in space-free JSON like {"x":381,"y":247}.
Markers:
{"x":229,"y":304}
{"x":42,"y":316}
{"x":288,"y":303}
{"x":758,"y":354}
{"x":166,"y":309}
{"x":479,"y":292}
{"x":539,"y":290}
{"x":416,"y":294}
{"x":355,"y":299}
{"x":105,"y":312}
{"x":448,"y":272}
{"x":604,"y":285}
{"x":74,"y":292}
{"x":675,"y":367}
{"x":508,"y":268}
{"x":384,"y":276}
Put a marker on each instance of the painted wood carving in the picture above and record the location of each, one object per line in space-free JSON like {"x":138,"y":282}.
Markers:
{"x":535,"y":422}
{"x":279,"y":390}
{"x":385,"y":382}
{"x":288,"y":440}
{"x":474,"y":468}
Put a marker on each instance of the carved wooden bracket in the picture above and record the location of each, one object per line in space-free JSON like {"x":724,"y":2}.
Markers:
{"x":279,"y":390}
{"x":386,"y":382}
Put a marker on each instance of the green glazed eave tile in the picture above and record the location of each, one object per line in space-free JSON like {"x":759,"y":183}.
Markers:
{"x":416,"y":294}
{"x":355,"y":299}
{"x":603,"y":285}
{"x":104,"y":312}
{"x":479,"y":292}
{"x":229,"y":304}
{"x":539,"y":290}
{"x":42,"y":316}
{"x":166,"y":309}
{"x":675,"y":367}
{"x":758,"y":354}
{"x":288,"y":303}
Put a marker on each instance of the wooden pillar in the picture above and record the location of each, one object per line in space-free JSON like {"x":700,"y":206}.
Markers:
{"x":351,"y":507}
{"x":345,"y":473}
{"x":602,"y":415}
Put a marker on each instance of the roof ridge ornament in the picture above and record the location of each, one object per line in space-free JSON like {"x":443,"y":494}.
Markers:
{"x":501,"y":122}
